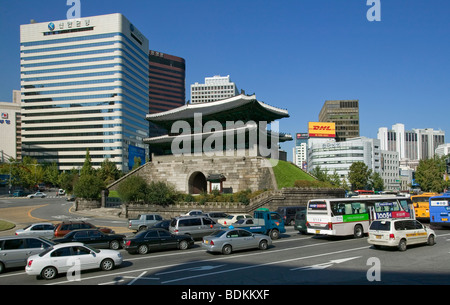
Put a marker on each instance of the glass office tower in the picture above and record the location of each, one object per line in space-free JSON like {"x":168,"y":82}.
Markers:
{"x":84,"y":85}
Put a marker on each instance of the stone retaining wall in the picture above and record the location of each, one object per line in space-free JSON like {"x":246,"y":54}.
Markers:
{"x":270,"y":199}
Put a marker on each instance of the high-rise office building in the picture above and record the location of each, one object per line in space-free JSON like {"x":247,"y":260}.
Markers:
{"x":300,"y":150}
{"x":167,"y":85}
{"x":85,"y":85}
{"x":167,"y":89}
{"x":10,"y":129}
{"x":333,"y":156}
{"x":214,"y":89}
{"x":345,"y":113}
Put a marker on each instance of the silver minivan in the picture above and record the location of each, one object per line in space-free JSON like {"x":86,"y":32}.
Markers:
{"x":195,"y":226}
{"x":15,"y":250}
{"x":44,"y":229}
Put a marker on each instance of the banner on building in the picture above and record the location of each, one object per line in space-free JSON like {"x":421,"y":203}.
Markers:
{"x":322,"y":130}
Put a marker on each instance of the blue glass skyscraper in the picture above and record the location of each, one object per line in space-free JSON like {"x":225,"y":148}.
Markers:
{"x":85,"y":85}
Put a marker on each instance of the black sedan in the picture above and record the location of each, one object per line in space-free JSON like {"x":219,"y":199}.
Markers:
{"x":163,"y":224}
{"x":156,"y":239}
{"x":94,"y":238}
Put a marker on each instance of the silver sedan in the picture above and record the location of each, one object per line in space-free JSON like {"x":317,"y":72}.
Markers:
{"x":229,"y":240}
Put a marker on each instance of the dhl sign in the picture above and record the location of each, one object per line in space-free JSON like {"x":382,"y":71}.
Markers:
{"x":322,"y":130}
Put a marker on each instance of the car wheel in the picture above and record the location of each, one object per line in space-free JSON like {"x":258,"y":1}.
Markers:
{"x":274,"y":234}
{"x":358,"y":232}
{"x":263,"y":245}
{"x":227,"y":249}
{"x":114,"y":245}
{"x":143,"y":249}
{"x":430,"y":241}
{"x":107,"y":264}
{"x":142,"y":228}
{"x":183,"y":245}
{"x":402,"y":245}
{"x":49,"y":273}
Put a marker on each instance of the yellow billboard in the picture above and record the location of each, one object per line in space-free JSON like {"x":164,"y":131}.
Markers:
{"x":322,"y":130}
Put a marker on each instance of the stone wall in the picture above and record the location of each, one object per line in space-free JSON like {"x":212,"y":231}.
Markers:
{"x":241,"y":173}
{"x":84,"y":204}
{"x":270,"y":199}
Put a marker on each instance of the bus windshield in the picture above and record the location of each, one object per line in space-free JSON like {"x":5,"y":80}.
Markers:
{"x":416,"y":199}
{"x":439,"y":202}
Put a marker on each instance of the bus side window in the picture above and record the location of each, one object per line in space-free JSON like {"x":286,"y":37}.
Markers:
{"x":348,"y":209}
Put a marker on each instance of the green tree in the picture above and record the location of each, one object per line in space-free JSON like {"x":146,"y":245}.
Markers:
{"x":335,"y":179}
{"x":376,"y":182}
{"x":161,"y":193}
{"x":30,"y":172}
{"x":68,"y":179}
{"x":89,"y":187}
{"x":87,"y":165}
{"x":359,"y":175}
{"x":51,"y":173}
{"x":320,"y":174}
{"x":429,"y":175}
{"x":133,"y":189}
{"x":109,"y":172}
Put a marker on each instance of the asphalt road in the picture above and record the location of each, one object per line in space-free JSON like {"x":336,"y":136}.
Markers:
{"x":24,"y":211}
{"x":294,"y":259}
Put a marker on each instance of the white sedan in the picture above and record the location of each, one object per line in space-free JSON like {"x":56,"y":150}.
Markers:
{"x":37,"y":194}
{"x":233,"y":218}
{"x":71,"y":257}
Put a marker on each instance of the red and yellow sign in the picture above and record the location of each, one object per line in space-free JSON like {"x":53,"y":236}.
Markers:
{"x":322,"y":130}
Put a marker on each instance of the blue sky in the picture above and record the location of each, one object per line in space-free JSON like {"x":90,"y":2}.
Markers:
{"x":293,"y":54}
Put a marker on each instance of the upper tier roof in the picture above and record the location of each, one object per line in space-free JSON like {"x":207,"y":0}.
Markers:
{"x":237,"y":108}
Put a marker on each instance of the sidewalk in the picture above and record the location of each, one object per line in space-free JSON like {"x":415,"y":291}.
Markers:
{"x":109,"y":213}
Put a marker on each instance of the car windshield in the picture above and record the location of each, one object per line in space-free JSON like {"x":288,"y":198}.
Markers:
{"x":92,"y":249}
{"x":381,"y":225}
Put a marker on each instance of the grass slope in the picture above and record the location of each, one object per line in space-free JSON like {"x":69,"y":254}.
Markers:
{"x":286,"y":174}
{"x":5,"y":225}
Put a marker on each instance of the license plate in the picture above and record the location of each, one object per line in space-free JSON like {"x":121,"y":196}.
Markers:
{"x":444,"y":219}
{"x":378,"y":236}
{"x":206,"y":241}
{"x":317,"y":231}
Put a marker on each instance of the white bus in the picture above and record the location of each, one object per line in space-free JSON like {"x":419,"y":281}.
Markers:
{"x":352,"y":216}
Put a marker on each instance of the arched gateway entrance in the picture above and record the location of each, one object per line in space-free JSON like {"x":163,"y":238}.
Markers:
{"x":197,"y":183}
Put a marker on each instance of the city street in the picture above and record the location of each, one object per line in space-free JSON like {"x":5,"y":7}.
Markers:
{"x":294,"y":259}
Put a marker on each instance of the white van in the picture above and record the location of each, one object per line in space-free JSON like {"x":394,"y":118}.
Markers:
{"x":399,"y":233}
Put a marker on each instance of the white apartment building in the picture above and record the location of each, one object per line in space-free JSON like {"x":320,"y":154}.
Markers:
{"x":85,"y":85}
{"x":443,"y":150}
{"x":415,"y":144}
{"x":214,"y":89}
